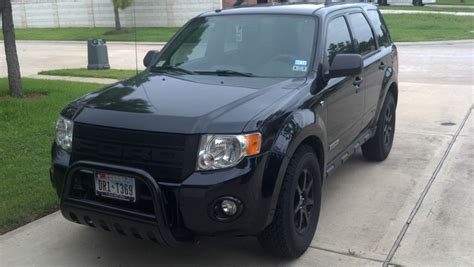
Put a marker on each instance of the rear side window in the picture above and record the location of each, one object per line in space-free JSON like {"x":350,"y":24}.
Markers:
{"x":362,"y":33}
{"x":338,"y":39}
{"x":379,"y":27}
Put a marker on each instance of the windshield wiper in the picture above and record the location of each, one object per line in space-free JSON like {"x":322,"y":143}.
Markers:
{"x":225,"y":73}
{"x":172,"y":69}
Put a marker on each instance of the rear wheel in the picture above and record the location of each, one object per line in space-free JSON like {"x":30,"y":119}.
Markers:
{"x":379,"y":146}
{"x":297,"y":213}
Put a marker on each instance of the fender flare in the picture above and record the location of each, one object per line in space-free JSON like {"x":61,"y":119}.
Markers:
{"x":298,"y":127}
{"x":388,"y":81}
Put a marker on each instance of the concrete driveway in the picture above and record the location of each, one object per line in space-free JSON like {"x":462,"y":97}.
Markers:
{"x":416,"y":208}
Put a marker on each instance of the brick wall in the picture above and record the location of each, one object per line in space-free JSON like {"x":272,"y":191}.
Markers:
{"x":99,"y":13}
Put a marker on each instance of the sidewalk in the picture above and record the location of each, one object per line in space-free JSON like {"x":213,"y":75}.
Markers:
{"x":452,"y":6}
{"x":393,"y":11}
{"x":72,"y":54}
{"x":36,"y":56}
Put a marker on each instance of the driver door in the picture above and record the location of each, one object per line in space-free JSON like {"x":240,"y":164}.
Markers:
{"x":344,"y":99}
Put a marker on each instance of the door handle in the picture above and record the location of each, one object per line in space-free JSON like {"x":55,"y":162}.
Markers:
{"x":357,"y":82}
{"x":382,"y":66}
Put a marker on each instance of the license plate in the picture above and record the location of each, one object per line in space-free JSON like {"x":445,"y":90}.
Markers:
{"x":115,"y":186}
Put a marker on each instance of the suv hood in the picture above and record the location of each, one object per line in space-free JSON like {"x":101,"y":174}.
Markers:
{"x":183,"y":104}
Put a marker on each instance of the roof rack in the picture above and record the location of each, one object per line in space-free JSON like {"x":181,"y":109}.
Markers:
{"x":243,"y":3}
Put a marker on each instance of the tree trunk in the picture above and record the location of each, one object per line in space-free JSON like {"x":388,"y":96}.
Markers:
{"x":118,"y":27}
{"x":14,"y":75}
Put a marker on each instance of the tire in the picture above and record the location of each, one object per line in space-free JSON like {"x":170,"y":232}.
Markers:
{"x":379,"y":146}
{"x":297,"y":213}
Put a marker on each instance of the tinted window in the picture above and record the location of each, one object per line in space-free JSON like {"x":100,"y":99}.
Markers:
{"x":362,"y":33}
{"x":263,"y":45}
{"x":338,"y":39}
{"x":380,"y":29}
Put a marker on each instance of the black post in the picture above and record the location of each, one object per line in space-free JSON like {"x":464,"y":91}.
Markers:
{"x":417,"y":2}
{"x":238,"y":2}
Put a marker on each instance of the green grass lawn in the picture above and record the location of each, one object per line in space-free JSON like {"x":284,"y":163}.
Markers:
{"x":26,"y":134}
{"x":429,"y":27}
{"x":82,"y":34}
{"x":454,"y":2}
{"x":430,"y":8}
{"x":112,"y":74}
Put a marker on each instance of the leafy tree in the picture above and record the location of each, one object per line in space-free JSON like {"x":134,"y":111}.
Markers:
{"x":120,"y":4}
{"x":14,"y":74}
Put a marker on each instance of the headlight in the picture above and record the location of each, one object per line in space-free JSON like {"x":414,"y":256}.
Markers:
{"x":223,"y":151}
{"x":64,"y":133}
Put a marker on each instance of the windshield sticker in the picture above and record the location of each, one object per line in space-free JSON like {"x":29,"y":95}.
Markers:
{"x":300,"y":68}
{"x":238,"y":33}
{"x":301,"y":62}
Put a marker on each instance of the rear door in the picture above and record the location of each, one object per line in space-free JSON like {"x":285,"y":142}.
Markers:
{"x":344,"y":98}
{"x":372,"y":74}
{"x":386,"y":56}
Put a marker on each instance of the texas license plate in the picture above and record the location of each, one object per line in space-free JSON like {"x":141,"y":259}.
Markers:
{"x":115,"y":186}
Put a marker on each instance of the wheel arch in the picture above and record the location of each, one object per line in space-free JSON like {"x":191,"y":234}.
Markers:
{"x":316,"y":144}
{"x":390,"y":86}
{"x":306,"y":128}
{"x":393,"y":88}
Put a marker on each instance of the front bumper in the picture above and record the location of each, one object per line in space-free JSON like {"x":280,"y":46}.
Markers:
{"x":180,"y":211}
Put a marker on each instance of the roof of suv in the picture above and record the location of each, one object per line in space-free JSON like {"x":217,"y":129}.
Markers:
{"x":289,"y":9}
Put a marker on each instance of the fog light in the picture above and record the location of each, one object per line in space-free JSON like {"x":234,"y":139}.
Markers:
{"x":226,"y":209}
{"x":229,"y":207}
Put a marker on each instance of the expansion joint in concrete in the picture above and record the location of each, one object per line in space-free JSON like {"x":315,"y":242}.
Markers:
{"x":412,"y":215}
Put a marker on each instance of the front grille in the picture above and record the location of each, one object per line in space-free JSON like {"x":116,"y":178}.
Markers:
{"x":166,"y":157}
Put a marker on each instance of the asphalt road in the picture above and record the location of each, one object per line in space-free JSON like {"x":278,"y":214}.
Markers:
{"x":416,"y":208}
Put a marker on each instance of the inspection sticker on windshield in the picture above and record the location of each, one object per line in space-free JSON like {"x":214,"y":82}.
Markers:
{"x":238,"y":33}
{"x":301,"y":62}
{"x":300,"y":65}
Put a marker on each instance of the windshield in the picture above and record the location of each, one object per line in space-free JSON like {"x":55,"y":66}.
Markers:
{"x":243,"y":45}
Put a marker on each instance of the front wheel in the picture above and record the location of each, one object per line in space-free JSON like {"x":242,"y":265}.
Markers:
{"x":297,"y":213}
{"x":379,"y":146}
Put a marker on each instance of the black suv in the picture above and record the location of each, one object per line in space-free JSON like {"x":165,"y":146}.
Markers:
{"x":233,"y":127}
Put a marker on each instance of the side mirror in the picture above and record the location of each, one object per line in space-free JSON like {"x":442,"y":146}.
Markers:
{"x":346,"y":65}
{"x":150,"y":57}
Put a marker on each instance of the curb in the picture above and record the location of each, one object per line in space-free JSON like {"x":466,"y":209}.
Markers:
{"x":445,"y":42}
{"x":73,"y":79}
